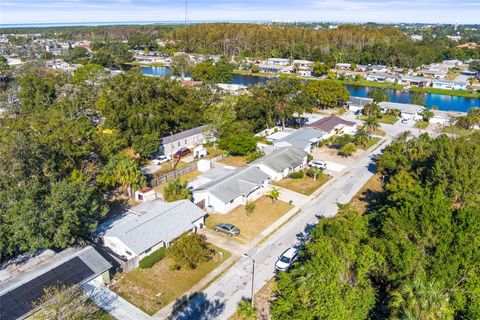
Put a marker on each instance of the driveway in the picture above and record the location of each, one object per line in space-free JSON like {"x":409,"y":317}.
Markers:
{"x":223,"y":242}
{"x":334,"y":166}
{"x":406,"y":125}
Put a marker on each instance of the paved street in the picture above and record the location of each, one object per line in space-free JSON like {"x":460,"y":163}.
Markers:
{"x":220,"y":299}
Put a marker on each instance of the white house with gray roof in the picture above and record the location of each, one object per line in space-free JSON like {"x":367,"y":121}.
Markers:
{"x":185,"y":139}
{"x":302,"y":139}
{"x":281,"y":162}
{"x":149,"y":226}
{"x":407,"y":110}
{"x":231,"y":190}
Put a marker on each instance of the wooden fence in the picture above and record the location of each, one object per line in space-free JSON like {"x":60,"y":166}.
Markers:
{"x":155,"y":182}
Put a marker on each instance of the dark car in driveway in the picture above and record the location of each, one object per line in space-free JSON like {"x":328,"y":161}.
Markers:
{"x":182,"y":153}
{"x":227,"y":228}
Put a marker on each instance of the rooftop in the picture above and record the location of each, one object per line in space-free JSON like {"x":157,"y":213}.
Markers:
{"x":152,"y":222}
{"x":300,"y":139}
{"x":327,"y":124}
{"x":283,"y":158}
{"x":402,"y":107}
{"x":183,"y":134}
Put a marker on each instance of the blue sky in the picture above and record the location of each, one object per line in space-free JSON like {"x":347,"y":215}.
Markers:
{"x":60,"y":11}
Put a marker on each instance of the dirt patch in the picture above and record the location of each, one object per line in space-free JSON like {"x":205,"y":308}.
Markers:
{"x":368,"y":195}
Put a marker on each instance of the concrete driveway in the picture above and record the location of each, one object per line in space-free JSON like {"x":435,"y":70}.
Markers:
{"x":334,"y":166}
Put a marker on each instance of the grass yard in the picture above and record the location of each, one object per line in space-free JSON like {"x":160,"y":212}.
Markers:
{"x":305,"y":185}
{"x":154,"y":288}
{"x":371,"y":142}
{"x":188,"y":177}
{"x":264,"y":215}
{"x":384,"y":118}
{"x":234,"y":161}
{"x":421,"y":125}
{"x":368,"y":194}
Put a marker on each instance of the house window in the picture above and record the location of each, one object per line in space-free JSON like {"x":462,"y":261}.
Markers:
{"x":185,"y":141}
{"x":128,"y":252}
{"x":148,"y":250}
{"x":178,"y":144}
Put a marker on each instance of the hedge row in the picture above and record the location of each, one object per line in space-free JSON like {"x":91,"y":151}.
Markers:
{"x":296,"y":175}
{"x":152,"y":258}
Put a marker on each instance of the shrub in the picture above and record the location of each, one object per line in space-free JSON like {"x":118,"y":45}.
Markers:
{"x":252,"y":156}
{"x":296,"y":175}
{"x":189,"y":250}
{"x":347,"y":150}
{"x":341,"y":141}
{"x":152,"y":258}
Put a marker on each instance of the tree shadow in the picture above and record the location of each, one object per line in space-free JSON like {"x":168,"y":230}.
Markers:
{"x":196,"y":306}
{"x":304,"y":236}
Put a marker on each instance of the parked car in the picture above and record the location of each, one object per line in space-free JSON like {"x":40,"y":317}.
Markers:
{"x":404,"y":121}
{"x":318,"y":164}
{"x":161,"y":159}
{"x":200,"y":152}
{"x":227,"y":228}
{"x":285,"y":261}
{"x":182,"y":153}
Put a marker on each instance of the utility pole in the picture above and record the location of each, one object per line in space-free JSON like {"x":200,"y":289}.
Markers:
{"x":253,"y":279}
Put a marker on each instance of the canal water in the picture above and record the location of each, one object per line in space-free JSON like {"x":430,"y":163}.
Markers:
{"x":442,"y":101}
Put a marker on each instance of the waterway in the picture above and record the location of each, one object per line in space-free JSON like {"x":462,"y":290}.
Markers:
{"x":442,"y":101}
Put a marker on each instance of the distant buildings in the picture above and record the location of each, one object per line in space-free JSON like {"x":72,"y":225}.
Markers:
{"x":449,"y":85}
{"x":407,"y":111}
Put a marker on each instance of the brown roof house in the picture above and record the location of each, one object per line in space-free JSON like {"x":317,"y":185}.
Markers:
{"x":334,"y":125}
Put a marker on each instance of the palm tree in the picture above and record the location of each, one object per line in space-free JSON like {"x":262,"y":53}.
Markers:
{"x":249,"y":207}
{"x":371,"y":124}
{"x":274,"y":193}
{"x":314,"y":173}
{"x":422,"y":300}
{"x":176,"y":190}
{"x":362,"y":137}
{"x":245,"y":310}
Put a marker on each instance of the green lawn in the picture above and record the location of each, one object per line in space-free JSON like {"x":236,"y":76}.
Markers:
{"x":305,"y":185}
{"x":421,"y":124}
{"x":152,"y":289}
{"x":266,"y":212}
{"x":373,"y":84}
{"x":371,"y":142}
{"x":384,"y":118}
{"x":143,"y":64}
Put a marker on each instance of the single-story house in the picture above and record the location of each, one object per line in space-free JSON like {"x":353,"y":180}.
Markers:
{"x":280,"y":135}
{"x":278,"y":61}
{"x":185,"y":139}
{"x":407,"y":111}
{"x":381,"y":77}
{"x":379,"y":68}
{"x":415,"y":81}
{"x":23,"y":283}
{"x":334,"y":125}
{"x":450,"y":85}
{"x":227,"y":192}
{"x":303,"y":63}
{"x":269,"y":68}
{"x":281,"y":162}
{"x":149,"y":226}
{"x":441,"y":117}
{"x":434,"y":73}
{"x":344,"y":66}
{"x":234,"y":89}
{"x":356,"y":104}
{"x":302,"y":139}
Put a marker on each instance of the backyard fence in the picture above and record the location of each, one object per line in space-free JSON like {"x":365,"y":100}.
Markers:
{"x":155,"y":182}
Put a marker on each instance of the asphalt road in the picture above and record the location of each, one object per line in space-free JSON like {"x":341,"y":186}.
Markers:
{"x":220,"y":299}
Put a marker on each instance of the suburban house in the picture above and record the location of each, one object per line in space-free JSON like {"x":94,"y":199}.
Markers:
{"x":356,"y":104}
{"x":281,"y":162}
{"x":269,"y":68}
{"x":407,"y":111}
{"x":302,"y":139}
{"x":381,"y":77}
{"x":334,"y":125}
{"x":344,"y":66}
{"x":415,"y":81}
{"x":23,"y":283}
{"x":379,"y":68}
{"x":185,"y":139}
{"x":149,"y":226}
{"x":303,"y":63}
{"x":231,"y":190}
{"x":280,"y":135}
{"x":278,"y":61}
{"x":450,"y":85}
{"x":441,"y":117}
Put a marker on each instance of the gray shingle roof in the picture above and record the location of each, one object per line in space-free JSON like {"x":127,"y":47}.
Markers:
{"x":152,"y":222}
{"x":240,"y":182}
{"x":301,"y":138}
{"x":183,"y":134}
{"x":402,"y":107}
{"x":283,"y":158}
{"x":359,"y":101}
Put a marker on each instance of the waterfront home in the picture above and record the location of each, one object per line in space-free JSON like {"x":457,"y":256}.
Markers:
{"x":361,"y":68}
{"x":450,"y":85}
{"x":147,"y":227}
{"x":278,"y":61}
{"x":233,"y":89}
{"x":415,"y":81}
{"x":269,"y":68}
{"x":356,"y":104}
{"x":381,"y":77}
{"x":445,"y":117}
{"x":22,"y":282}
{"x":407,"y":111}
{"x":434,"y":73}
{"x":303,"y":139}
{"x":185,"y":139}
{"x":281,"y":162}
{"x":303,"y":63}
{"x":334,"y":125}
{"x":232,"y":190}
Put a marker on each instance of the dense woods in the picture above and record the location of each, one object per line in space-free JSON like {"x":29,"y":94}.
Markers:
{"x":415,"y":254}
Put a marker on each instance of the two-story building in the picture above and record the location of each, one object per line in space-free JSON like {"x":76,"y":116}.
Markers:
{"x":185,"y":139}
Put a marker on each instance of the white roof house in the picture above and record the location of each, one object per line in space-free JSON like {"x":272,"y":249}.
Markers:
{"x":302,"y":139}
{"x":407,"y":110}
{"x":149,"y":226}
{"x":281,"y":162}
{"x":231,"y":190}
